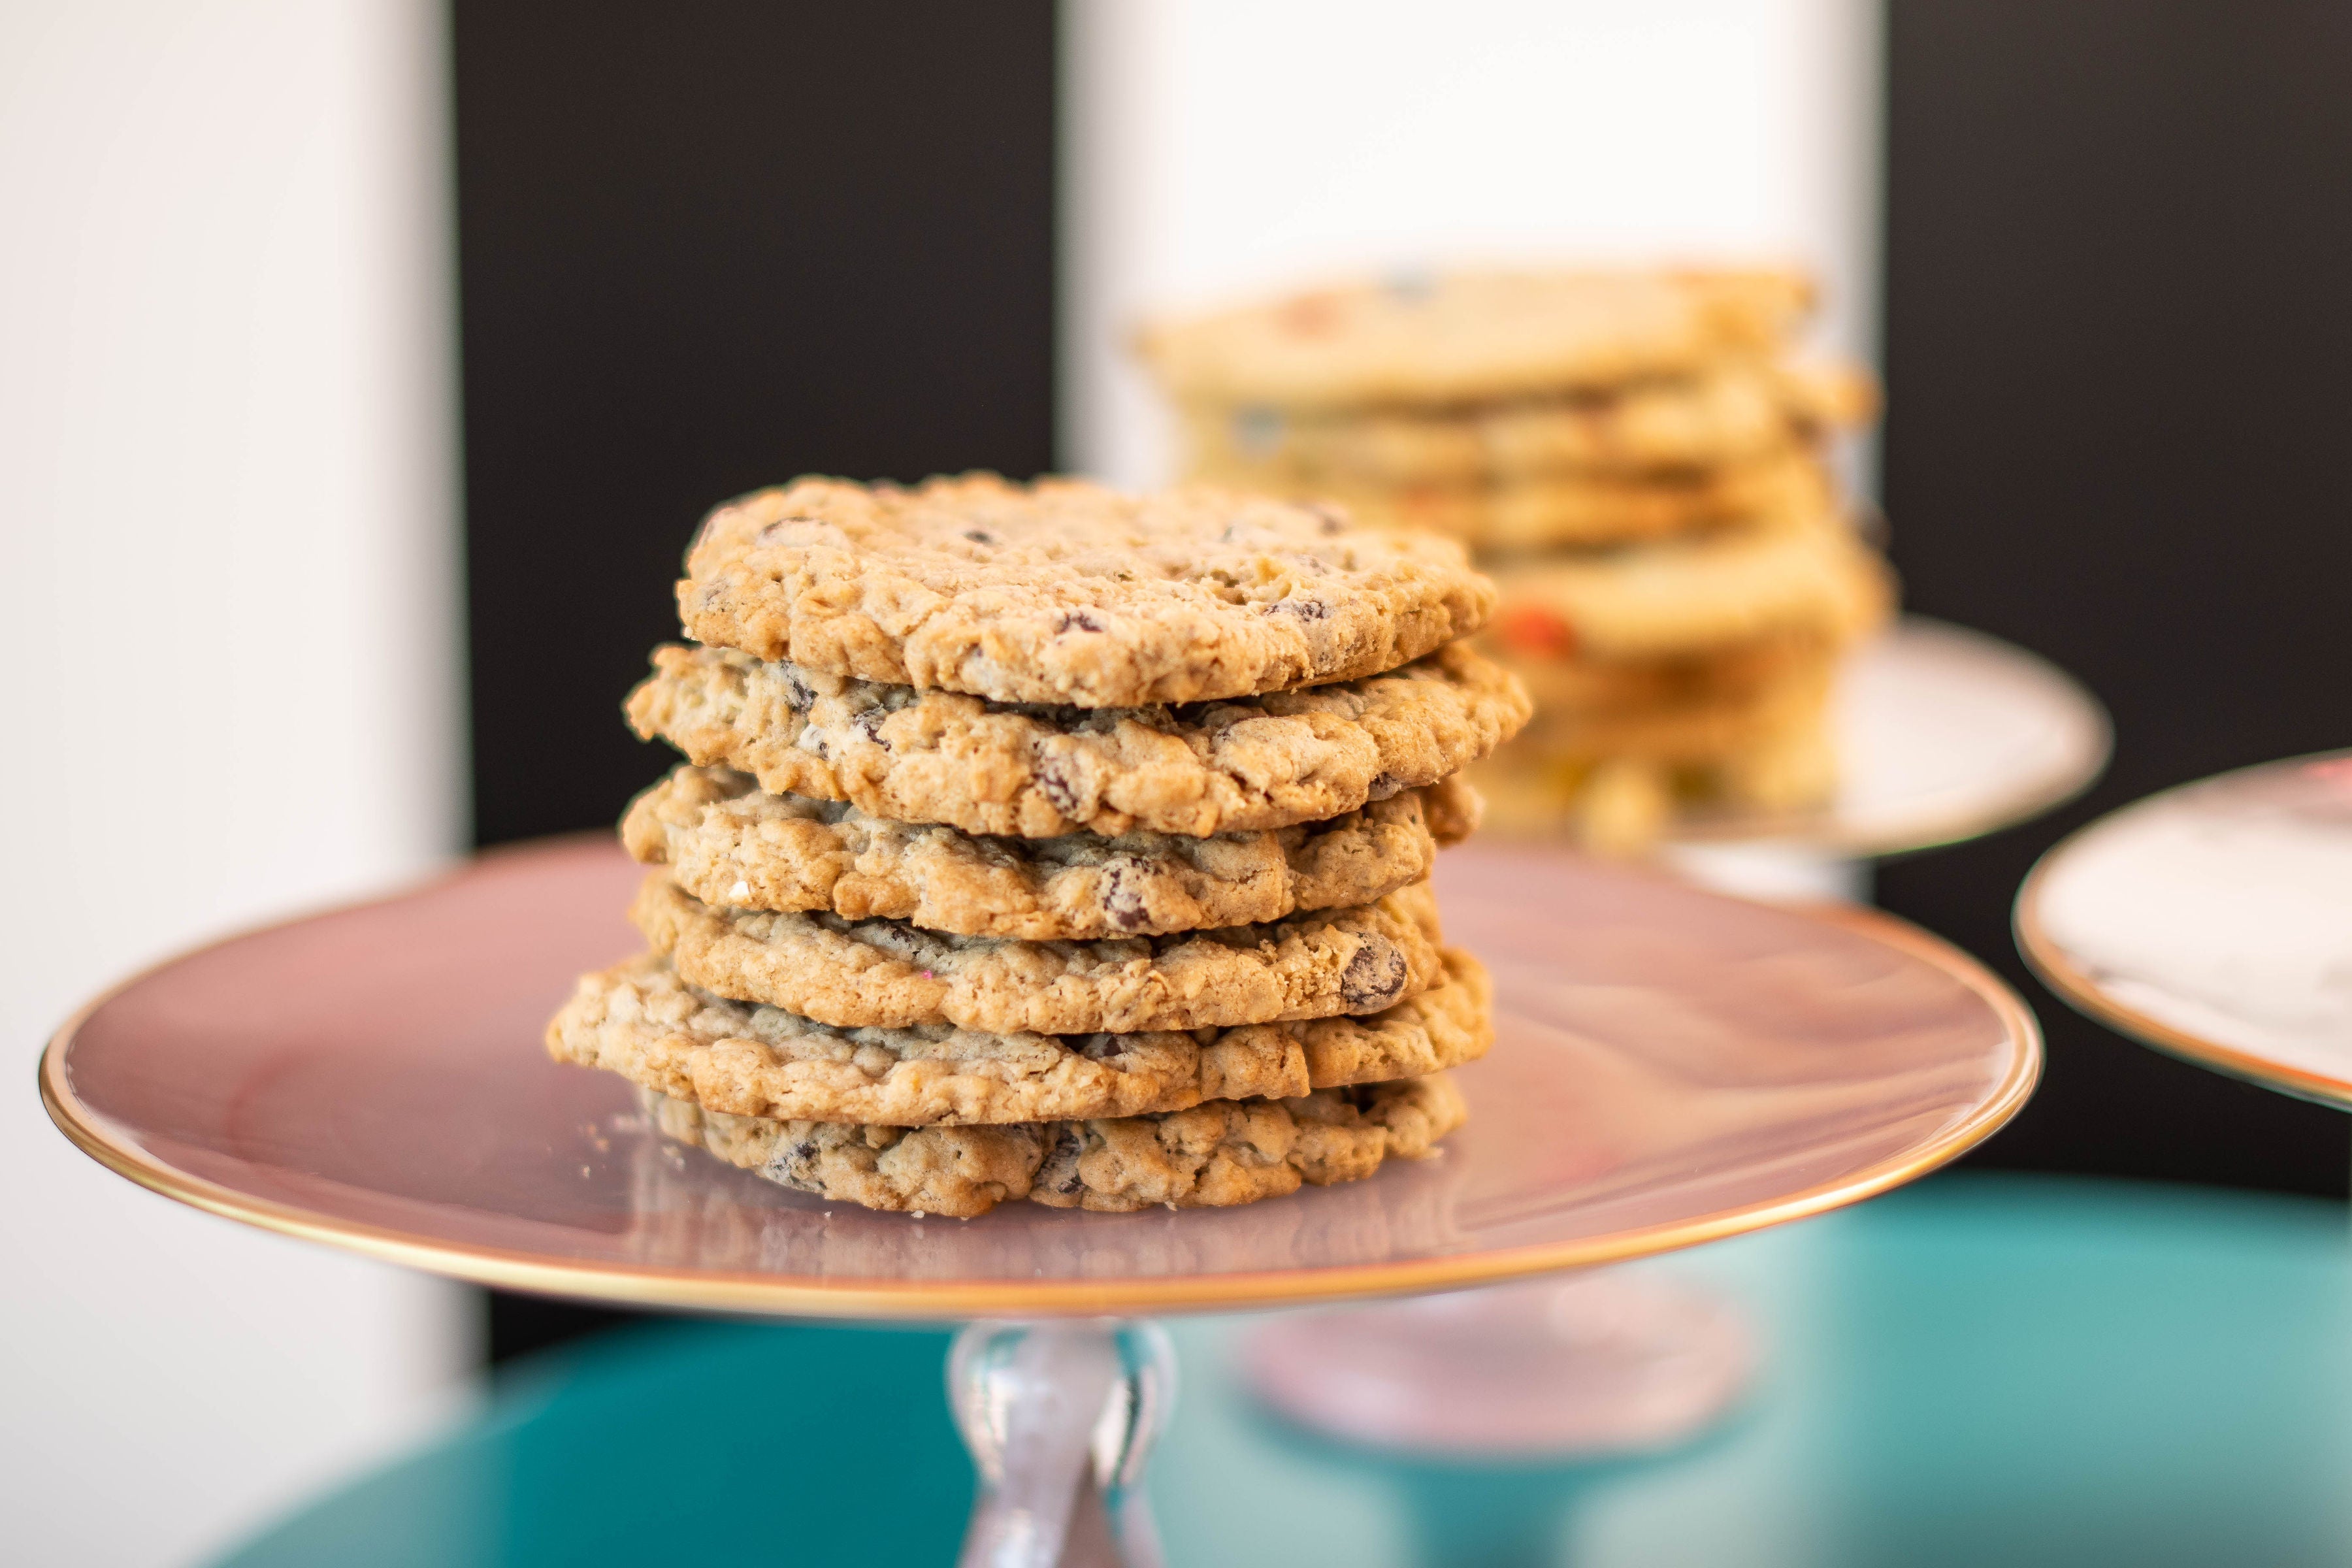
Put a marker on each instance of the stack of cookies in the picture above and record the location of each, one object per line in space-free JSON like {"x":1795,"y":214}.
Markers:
{"x":1039,"y":841}
{"x":1637,"y":457}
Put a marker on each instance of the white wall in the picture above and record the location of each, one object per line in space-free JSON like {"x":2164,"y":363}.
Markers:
{"x":228,"y":619}
{"x":1217,"y":146}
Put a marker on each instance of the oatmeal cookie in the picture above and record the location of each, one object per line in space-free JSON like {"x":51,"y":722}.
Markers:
{"x":887,"y":974}
{"x":1065,"y":592}
{"x":728,"y":842}
{"x":1035,"y":772}
{"x":639,"y":1020}
{"x":1209,"y":1156}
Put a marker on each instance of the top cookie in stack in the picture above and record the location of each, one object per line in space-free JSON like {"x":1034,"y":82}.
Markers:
{"x":1045,"y":841}
{"x":1636,"y":456}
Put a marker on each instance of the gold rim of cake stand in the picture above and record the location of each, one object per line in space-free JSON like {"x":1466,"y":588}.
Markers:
{"x":2081,"y":991}
{"x":801,"y":1295}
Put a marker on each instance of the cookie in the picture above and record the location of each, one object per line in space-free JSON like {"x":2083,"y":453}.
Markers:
{"x":1683,"y":596}
{"x":1064,"y":592}
{"x":1742,"y":413}
{"x":728,"y":842}
{"x":1039,"y":773}
{"x":1621,"y":800}
{"x":1736,"y":672}
{"x":1543,"y":513}
{"x":1472,"y":336}
{"x":887,"y":974}
{"x":1209,"y":1156}
{"x":1619,"y":807}
{"x":1704,"y":728}
{"x":639,"y":1020}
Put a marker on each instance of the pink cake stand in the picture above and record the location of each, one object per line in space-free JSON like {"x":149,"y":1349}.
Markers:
{"x":1671,"y":1067}
{"x":2214,"y":921}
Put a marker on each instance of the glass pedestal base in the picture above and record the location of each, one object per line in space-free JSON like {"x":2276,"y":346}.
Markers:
{"x":1606,"y":1363}
{"x":1059,"y":1417}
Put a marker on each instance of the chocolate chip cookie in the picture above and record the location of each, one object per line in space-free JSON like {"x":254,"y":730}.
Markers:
{"x":1037,"y":772}
{"x":1065,"y":592}
{"x":640,"y":1020}
{"x":892,"y":975}
{"x":1209,"y":1156}
{"x":728,"y":842}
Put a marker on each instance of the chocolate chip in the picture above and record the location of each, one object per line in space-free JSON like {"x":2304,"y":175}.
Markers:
{"x":1122,"y":895}
{"x":1055,"y":783}
{"x":793,"y":1165}
{"x":1305,"y":609}
{"x":1374,"y":977}
{"x":979,"y":536}
{"x":1076,"y":621}
{"x":1059,"y":1172}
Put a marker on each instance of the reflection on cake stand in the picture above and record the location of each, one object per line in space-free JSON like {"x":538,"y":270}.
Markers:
{"x":2214,"y":921}
{"x":1670,"y":1067}
{"x":1944,"y":734}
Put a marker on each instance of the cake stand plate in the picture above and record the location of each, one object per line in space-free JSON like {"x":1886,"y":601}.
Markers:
{"x":2214,"y":921}
{"x":1670,"y":1067}
{"x":1943,"y":735}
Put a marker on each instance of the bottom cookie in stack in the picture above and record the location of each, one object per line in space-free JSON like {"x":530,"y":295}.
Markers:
{"x":1211,"y":1155}
{"x":943,"y":1119}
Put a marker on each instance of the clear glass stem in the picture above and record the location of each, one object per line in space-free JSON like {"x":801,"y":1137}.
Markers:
{"x":1059,"y":1417}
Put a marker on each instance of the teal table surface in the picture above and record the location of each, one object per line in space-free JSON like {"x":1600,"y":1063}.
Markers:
{"x":1980,"y":1370}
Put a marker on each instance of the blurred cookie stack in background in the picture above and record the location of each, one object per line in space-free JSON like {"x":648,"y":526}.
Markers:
{"x":1638,"y":458}
{"x":1040,"y":841}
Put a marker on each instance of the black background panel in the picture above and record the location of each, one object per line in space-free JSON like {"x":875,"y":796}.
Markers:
{"x":2117,"y":418}
{"x":704,"y":247}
